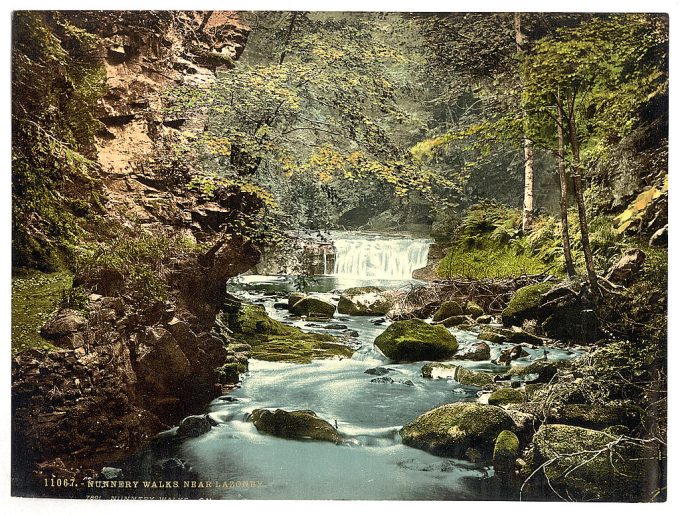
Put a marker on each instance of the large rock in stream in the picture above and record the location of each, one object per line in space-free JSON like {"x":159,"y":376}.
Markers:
{"x":309,"y":306}
{"x":451,"y":430}
{"x":458,"y":373}
{"x":298,"y":425}
{"x":449,"y":308}
{"x":364,"y":301}
{"x":415,"y":340}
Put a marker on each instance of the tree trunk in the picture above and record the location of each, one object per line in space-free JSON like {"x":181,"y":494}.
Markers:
{"x":528,"y":210}
{"x":564,"y":201}
{"x":582,"y":216}
{"x":206,"y":19}
{"x":291,"y":26}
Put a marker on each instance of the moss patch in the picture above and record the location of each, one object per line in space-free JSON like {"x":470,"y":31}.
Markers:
{"x":313,"y":306}
{"x":504,"y":396}
{"x":505,"y":451}
{"x":524,"y":303}
{"x":34,"y":297}
{"x":415,"y":340}
{"x":452,"y":429}
{"x":488,"y":263}
{"x":272,"y":340}
{"x":253,"y":319}
{"x":299,"y":347}
{"x":450,"y":308}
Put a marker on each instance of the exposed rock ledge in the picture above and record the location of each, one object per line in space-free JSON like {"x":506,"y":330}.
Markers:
{"x":123,"y":371}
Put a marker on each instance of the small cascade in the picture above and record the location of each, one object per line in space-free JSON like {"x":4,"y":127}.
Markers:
{"x":378,"y":257}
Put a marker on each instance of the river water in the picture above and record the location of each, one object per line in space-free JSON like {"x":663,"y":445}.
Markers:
{"x":371,"y":463}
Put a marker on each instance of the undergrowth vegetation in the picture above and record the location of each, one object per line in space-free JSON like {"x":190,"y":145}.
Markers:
{"x":489,"y":243}
{"x":139,"y":260}
{"x":35,"y":296}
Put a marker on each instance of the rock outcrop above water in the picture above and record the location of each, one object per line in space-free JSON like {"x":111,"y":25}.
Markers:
{"x":563,"y":312}
{"x":415,"y":340}
{"x":298,"y":425}
{"x":364,"y":301}
{"x":125,"y":368}
{"x":313,"y":306}
{"x":458,"y":373}
{"x":478,"y":352}
{"x":451,"y":430}
{"x":271,"y":340}
{"x":194,"y":425}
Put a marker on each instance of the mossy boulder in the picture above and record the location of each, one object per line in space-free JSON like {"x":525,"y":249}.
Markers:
{"x":505,"y":452}
{"x":492,"y":336}
{"x":271,"y":340}
{"x":194,"y":425}
{"x":459,"y":374}
{"x":572,"y":323}
{"x":298,"y":425}
{"x":415,"y":340}
{"x":452,"y":429}
{"x":294,"y":298}
{"x":309,"y":306}
{"x":456,"y":320}
{"x":364,"y":301}
{"x":473,"y":309}
{"x":299,"y":347}
{"x":252,"y":319}
{"x":505,"y":396}
{"x":525,"y":304}
{"x":479,"y":352}
{"x":589,"y":465}
{"x":596,"y":416}
{"x":450,"y":308}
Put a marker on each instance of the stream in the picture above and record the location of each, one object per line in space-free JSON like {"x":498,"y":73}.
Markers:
{"x":371,"y":463}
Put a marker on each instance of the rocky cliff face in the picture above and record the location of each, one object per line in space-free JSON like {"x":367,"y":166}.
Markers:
{"x":125,"y":369}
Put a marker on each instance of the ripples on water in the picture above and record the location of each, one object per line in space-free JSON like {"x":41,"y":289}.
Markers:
{"x":371,"y":463}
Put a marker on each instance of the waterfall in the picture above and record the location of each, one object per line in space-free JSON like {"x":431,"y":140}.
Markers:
{"x":378,"y":257}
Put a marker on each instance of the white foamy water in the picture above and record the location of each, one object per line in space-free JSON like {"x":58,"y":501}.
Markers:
{"x":378,"y":257}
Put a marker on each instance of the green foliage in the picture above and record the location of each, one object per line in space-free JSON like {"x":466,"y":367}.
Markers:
{"x":490,"y":244}
{"x":143,"y":259}
{"x":57,"y":79}
{"x":314,"y":112}
{"x":75,"y":297}
{"x":604,"y":69}
{"x":35,"y":296}
{"x":488,"y":264}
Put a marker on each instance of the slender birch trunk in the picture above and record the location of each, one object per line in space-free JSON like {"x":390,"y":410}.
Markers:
{"x":528,"y":209}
